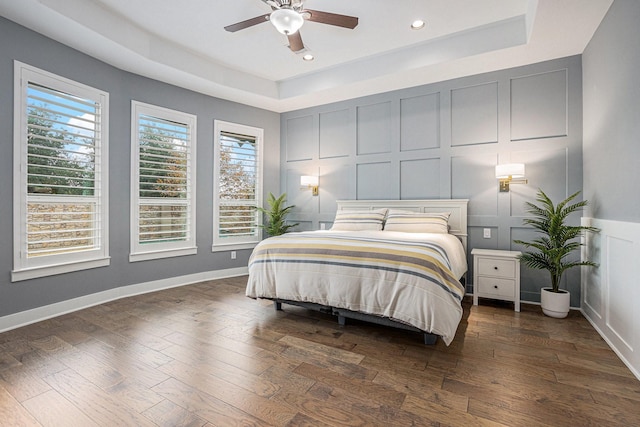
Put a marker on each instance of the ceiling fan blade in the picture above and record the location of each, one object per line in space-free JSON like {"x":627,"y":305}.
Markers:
{"x":295,"y":42}
{"x":331,"y":18}
{"x":248,"y":23}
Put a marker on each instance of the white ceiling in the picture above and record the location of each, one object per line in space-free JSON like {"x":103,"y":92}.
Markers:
{"x":184,"y":42}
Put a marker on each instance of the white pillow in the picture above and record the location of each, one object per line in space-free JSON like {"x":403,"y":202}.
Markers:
{"x":417,"y":222}
{"x":359,"y":220}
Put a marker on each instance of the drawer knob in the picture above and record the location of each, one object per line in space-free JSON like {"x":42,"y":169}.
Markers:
{"x":495,"y":268}
{"x":495,"y":286}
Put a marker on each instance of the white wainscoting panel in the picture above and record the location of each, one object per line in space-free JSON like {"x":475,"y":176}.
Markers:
{"x":610,"y":293}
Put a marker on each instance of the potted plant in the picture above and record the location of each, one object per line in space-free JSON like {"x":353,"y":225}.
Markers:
{"x":551,"y":251}
{"x":276,"y":215}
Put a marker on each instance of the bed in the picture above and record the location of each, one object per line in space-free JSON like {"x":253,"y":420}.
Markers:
{"x":406,"y":275}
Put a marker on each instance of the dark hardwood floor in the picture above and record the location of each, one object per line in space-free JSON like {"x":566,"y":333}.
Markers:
{"x":205,"y":355}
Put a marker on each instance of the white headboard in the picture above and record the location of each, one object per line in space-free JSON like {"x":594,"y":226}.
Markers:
{"x":457,"y":207}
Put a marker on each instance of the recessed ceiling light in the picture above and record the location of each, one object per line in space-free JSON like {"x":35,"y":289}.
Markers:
{"x":417,"y":24}
{"x":308,"y":57}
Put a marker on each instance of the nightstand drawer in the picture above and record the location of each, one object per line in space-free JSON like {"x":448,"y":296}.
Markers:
{"x":497,"y":267}
{"x":491,"y":286}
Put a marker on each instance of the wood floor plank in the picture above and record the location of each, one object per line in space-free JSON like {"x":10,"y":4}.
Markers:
{"x":22,"y":384}
{"x":621,"y":409}
{"x":301,"y":420}
{"x":372,"y":391}
{"x":12,"y":413}
{"x":505,"y":407}
{"x":168,"y":414}
{"x":128,"y":363}
{"x":204,"y":355}
{"x":429,"y":390}
{"x":622,"y":386}
{"x":545,"y":411}
{"x":325,"y":361}
{"x":339,"y":414}
{"x":444,"y":415}
{"x":233,"y":395}
{"x":100,"y":406}
{"x":92,"y":369}
{"x":53,"y":410}
{"x":134,"y":394}
{"x":256,"y":384}
{"x":206,"y":406}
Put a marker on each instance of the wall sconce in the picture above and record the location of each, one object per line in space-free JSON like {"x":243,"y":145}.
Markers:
{"x":310,"y":182}
{"x":510,"y":173}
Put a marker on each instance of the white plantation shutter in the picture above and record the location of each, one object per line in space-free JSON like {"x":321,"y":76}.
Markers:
{"x":238,"y":184}
{"x":61,"y":193}
{"x":163,"y":191}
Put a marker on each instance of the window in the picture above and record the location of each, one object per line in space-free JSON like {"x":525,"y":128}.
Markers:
{"x":237,"y":186}
{"x":163,"y":202}
{"x":60,"y":164}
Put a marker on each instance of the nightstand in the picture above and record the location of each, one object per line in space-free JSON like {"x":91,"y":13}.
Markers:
{"x":496,"y":275}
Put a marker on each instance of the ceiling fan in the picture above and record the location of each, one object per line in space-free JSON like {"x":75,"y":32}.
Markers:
{"x":288,"y":16}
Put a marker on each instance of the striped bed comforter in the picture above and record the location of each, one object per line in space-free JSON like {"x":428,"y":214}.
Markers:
{"x":407,"y":277}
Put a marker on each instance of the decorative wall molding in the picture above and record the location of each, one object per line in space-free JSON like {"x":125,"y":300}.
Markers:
{"x":38,"y":314}
{"x":442,"y":141}
{"x":610,"y":293}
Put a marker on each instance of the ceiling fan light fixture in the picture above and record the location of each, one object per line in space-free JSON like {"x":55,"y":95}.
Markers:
{"x":287,"y":21}
{"x":308,"y":57}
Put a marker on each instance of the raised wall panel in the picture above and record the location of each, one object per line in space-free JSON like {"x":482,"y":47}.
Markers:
{"x":545,"y":169}
{"x":301,"y":139}
{"x":374,"y":128}
{"x":335,"y":134}
{"x":539,"y":106}
{"x":420,"y":179}
{"x":616,"y":249}
{"x":474,"y":114}
{"x":473,"y":178}
{"x":621,"y":308}
{"x":337,"y":182}
{"x":420,"y":122}
{"x":373,"y":181}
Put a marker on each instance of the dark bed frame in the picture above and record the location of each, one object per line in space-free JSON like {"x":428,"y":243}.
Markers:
{"x":344,"y":314}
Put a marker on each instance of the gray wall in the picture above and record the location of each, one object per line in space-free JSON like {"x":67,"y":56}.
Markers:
{"x":443,"y":141}
{"x":18,"y":43}
{"x":611,"y":65}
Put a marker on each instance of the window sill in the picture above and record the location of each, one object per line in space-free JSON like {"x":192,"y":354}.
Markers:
{"x":51,"y":270}
{"x":169,"y":253}
{"x":233,"y":247}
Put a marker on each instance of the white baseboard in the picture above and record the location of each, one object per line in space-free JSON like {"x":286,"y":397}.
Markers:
{"x":27,"y":317}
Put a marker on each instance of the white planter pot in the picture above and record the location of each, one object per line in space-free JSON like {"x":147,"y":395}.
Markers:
{"x":555,"y":304}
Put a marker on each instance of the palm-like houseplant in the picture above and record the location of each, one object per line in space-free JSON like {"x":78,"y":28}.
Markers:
{"x":276,"y":215}
{"x":557,"y":241}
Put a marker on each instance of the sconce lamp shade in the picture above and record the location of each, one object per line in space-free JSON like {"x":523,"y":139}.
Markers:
{"x":286,"y":21}
{"x":510,"y":170}
{"x":309,"y":181}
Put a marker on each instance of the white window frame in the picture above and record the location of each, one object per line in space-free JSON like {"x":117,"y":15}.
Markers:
{"x":243,"y":242}
{"x":25,"y":267}
{"x":156,"y":250}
